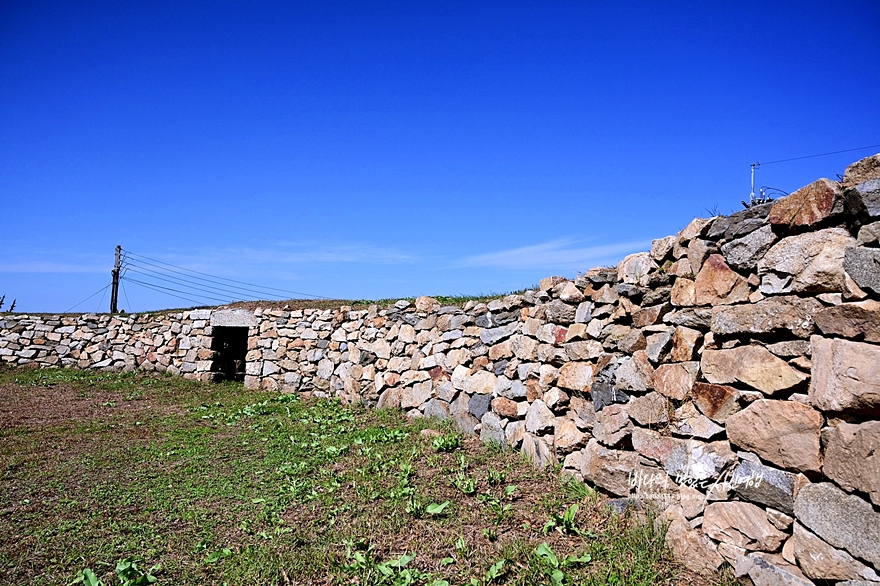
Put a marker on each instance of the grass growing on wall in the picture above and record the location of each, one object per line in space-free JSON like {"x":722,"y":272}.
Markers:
{"x":126,"y":479}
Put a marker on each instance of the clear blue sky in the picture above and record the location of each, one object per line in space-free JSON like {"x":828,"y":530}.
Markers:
{"x":369,"y":150}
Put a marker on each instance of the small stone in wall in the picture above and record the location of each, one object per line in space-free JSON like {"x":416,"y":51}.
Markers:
{"x":696,"y":551}
{"x":743,"y":525}
{"x":675,"y":380}
{"x":755,"y":482}
{"x":651,"y":409}
{"x":744,"y":253}
{"x":634,"y":374}
{"x":717,"y":402}
{"x":612,"y":425}
{"x":576,"y":376}
{"x":751,"y":365}
{"x":605,"y":394}
{"x":539,"y":417}
{"x":863,"y":265}
{"x":857,"y":321}
{"x":635,"y":268}
{"x":717,"y":284}
{"x":765,"y":569}
{"x":537,"y":450}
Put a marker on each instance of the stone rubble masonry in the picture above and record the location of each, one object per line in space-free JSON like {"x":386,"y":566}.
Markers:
{"x":730,"y":375}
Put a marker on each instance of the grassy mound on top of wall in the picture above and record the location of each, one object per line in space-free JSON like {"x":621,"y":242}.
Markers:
{"x":113,"y":478}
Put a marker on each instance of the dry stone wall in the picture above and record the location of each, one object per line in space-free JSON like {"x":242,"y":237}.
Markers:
{"x":730,"y":376}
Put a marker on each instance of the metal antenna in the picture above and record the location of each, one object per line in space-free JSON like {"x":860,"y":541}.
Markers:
{"x":752,"y":196}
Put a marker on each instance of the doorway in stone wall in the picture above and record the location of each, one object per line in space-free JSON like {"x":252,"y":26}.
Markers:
{"x":230,"y":344}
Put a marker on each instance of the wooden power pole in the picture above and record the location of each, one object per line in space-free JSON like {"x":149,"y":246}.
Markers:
{"x":114,"y":292}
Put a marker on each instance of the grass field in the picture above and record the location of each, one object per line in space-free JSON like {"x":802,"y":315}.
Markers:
{"x":126,"y":479}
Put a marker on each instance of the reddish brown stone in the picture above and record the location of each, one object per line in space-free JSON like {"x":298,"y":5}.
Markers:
{"x":479,"y":363}
{"x":717,"y":402}
{"x":851,"y":321}
{"x":648,"y":316}
{"x":533,"y":390}
{"x":718,"y":284}
{"x":504,"y":407}
{"x":807,"y":206}
{"x":684,"y":344}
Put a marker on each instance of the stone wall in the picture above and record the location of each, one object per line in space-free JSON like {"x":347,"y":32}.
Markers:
{"x":731,"y":375}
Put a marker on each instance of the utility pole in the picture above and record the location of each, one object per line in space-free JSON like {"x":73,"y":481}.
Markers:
{"x":114,"y":292}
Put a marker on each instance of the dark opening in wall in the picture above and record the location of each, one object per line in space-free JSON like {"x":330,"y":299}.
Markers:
{"x":230,"y":344}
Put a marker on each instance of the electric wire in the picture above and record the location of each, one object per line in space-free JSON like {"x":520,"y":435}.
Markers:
{"x":165,"y":290}
{"x":101,"y":302}
{"x":124,"y":292}
{"x":146,"y":271}
{"x":190,"y":293}
{"x":822,"y":154}
{"x":213,"y":277}
{"x":89,"y":297}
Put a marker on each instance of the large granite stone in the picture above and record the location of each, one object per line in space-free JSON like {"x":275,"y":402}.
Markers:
{"x":808,"y":205}
{"x":862,"y":170}
{"x":785,"y":433}
{"x":863,"y":265}
{"x":845,"y":375}
{"x":821,"y":561}
{"x":744,"y":253}
{"x":806,"y":263}
{"x":857,"y":321}
{"x":770,"y":316}
{"x":852,"y":457}
{"x":845,"y":521}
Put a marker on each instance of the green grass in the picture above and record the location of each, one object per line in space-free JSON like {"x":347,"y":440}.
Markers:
{"x":211,"y":484}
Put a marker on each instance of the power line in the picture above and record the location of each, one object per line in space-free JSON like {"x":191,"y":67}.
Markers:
{"x":89,"y":297}
{"x":124,"y":292}
{"x":181,"y":283}
{"x":166,"y":290}
{"x":146,"y":258}
{"x":198,"y":295}
{"x":146,"y":271}
{"x":101,"y":302}
{"x":822,"y":154}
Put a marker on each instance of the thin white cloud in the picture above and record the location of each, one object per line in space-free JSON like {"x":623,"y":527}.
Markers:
{"x":280,"y":257}
{"x":562,"y":252}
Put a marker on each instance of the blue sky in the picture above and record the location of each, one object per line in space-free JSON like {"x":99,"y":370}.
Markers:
{"x":371,"y":150}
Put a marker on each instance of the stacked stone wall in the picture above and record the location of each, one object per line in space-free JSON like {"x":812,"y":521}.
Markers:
{"x":730,"y":376}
